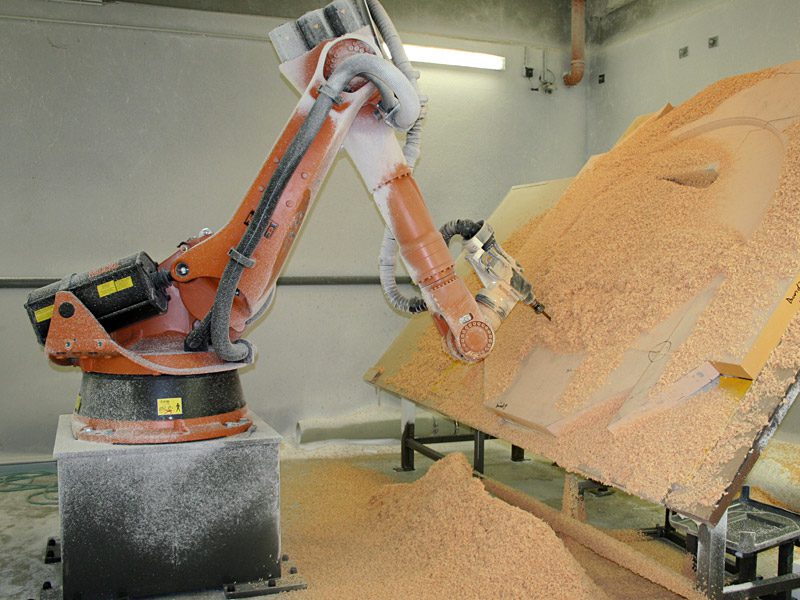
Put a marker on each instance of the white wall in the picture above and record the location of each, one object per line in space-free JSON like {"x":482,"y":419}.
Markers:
{"x":643,"y":71}
{"x":128,"y":127}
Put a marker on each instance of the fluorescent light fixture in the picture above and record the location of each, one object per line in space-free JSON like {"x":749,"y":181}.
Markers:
{"x":455,"y":58}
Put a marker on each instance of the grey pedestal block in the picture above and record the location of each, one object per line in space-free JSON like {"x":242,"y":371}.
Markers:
{"x":157,"y":519}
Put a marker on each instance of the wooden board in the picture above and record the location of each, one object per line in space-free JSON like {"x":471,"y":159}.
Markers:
{"x":619,"y":420}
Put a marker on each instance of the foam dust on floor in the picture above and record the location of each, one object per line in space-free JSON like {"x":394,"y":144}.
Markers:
{"x":442,"y":536}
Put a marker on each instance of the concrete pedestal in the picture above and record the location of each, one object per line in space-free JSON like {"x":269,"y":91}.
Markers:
{"x":159,"y":519}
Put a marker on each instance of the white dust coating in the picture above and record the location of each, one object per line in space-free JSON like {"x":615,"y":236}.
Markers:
{"x":172,"y":502}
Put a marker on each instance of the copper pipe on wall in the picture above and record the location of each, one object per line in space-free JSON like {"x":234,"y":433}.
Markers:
{"x":578,"y":62}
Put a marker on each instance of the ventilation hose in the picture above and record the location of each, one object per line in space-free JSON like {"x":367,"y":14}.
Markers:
{"x":463,"y":227}
{"x":403,"y":115}
{"x":387,"y":266}
{"x":389,"y":34}
{"x":411,"y":150}
{"x":413,"y":305}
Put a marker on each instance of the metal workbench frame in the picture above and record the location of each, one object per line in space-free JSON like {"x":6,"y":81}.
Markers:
{"x":410,"y":444}
{"x":711,"y":563}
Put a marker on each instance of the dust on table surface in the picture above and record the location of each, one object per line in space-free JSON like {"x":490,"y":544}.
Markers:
{"x":637,"y":235}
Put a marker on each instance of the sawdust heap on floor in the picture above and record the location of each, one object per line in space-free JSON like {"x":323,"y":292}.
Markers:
{"x":612,"y":260}
{"x":508,"y":550}
{"x":441,"y":537}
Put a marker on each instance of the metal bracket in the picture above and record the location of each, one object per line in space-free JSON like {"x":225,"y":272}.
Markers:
{"x":326,"y":90}
{"x":238,"y":257}
{"x":288,"y":582}
{"x":409,"y":444}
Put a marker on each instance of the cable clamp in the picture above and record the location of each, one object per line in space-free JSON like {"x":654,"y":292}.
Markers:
{"x":328,"y":91}
{"x":389,"y":117}
{"x":240,"y":258}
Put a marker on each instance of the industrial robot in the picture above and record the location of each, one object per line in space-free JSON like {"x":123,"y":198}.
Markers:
{"x":160,"y":344}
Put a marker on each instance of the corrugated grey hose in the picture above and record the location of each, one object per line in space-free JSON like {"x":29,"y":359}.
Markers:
{"x":411,"y":149}
{"x":463,"y":227}
{"x":403,"y":114}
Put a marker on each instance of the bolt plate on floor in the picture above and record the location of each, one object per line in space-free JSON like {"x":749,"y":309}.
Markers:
{"x":52,"y":552}
{"x":287,"y":583}
{"x":50,"y":594}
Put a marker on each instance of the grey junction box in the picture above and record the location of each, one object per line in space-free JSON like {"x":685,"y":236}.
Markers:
{"x":138,"y":520}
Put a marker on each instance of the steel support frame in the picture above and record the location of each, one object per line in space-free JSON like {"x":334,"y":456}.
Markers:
{"x":688,"y":542}
{"x":712,"y":566}
{"x":409,"y":443}
{"x":773,"y":588}
{"x":711,"y":549}
{"x":746,"y":584}
{"x":669,"y":533}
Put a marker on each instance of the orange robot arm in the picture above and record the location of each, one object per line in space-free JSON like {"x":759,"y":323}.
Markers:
{"x":372,"y":144}
{"x":159,"y":343}
{"x":217,"y":283}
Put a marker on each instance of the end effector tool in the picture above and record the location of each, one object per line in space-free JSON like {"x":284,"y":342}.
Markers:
{"x":501,"y":275}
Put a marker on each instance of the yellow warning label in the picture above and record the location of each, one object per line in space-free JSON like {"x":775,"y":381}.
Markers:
{"x":114,"y":286}
{"x":44,"y":314}
{"x":170,"y":406}
{"x":78,"y":404}
{"x":106,"y":289}
{"x":124,"y":283}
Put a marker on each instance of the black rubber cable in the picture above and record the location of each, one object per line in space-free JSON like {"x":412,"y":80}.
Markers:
{"x":217,"y":321}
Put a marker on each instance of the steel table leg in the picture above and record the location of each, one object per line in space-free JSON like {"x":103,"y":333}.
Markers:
{"x":480,"y":439}
{"x":406,"y":450}
{"x":711,"y":543}
{"x":517,"y":454}
{"x":746,"y":566}
{"x":785,"y":563}
{"x":408,"y":412}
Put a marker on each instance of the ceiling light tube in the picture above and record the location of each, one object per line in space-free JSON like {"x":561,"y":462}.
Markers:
{"x":455,"y":58}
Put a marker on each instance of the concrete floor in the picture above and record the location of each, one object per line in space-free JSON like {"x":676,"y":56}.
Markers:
{"x":24,"y":528}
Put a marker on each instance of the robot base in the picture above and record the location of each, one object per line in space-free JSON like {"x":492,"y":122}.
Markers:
{"x":160,"y":519}
{"x":159,"y":409}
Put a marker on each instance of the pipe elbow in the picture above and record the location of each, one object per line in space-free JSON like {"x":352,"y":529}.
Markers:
{"x":407,"y":108}
{"x":578,"y":64}
{"x":575,"y":75}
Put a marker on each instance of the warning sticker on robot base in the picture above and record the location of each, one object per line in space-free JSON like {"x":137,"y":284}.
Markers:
{"x":44,"y":314}
{"x":114,"y":286}
{"x":170,"y":406}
